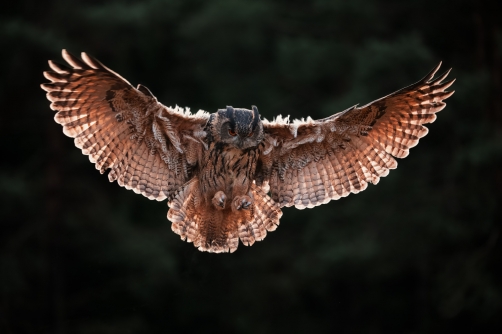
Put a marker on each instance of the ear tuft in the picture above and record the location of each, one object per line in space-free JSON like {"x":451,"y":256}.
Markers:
{"x":230,"y":111}
{"x":256,"y":117}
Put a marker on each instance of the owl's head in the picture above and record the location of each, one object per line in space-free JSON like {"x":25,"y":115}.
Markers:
{"x":241,"y":128}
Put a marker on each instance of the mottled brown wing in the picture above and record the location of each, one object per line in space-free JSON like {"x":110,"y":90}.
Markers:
{"x":308,"y":163}
{"x":148,"y":147}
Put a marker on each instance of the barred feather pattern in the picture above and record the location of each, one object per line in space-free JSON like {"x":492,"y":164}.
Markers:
{"x":218,"y":231}
{"x":218,"y":190}
{"x":308,"y":163}
{"x":148,"y":147}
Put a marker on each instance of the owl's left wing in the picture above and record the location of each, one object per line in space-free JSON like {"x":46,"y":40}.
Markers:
{"x":308,"y":163}
{"x":148,"y":147}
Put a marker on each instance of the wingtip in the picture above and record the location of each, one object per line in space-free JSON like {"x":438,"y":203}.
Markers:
{"x":432,"y":73}
{"x":91,"y":61}
{"x":48,"y":76}
{"x":447,"y":95}
{"x":435,"y":69}
{"x":439,"y":80}
{"x":67,"y":56}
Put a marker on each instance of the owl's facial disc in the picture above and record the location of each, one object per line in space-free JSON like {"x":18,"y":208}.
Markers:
{"x":243,"y":128}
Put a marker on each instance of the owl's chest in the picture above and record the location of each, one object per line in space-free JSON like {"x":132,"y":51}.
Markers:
{"x":228,"y":167}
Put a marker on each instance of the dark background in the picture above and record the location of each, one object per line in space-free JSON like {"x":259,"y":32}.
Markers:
{"x":419,"y":253}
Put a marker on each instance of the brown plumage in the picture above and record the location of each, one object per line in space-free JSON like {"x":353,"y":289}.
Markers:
{"x":227,"y":174}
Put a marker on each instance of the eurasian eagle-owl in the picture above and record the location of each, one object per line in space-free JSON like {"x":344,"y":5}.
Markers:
{"x":226,"y":175}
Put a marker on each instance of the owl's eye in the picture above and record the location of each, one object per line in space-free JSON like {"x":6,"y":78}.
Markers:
{"x":250,"y":134}
{"x":232,"y":132}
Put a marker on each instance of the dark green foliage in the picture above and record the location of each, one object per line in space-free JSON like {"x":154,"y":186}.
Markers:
{"x":419,"y":253}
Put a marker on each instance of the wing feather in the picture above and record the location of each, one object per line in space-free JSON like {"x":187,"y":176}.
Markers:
{"x":314,"y":162}
{"x":122,"y":128}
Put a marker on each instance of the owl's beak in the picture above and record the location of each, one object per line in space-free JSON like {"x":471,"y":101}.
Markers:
{"x":240,"y":143}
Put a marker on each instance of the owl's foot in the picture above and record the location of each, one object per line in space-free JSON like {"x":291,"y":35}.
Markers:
{"x":241,"y":203}
{"x":219,"y":200}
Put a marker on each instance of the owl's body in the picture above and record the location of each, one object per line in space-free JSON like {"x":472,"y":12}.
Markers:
{"x":226,"y":175}
{"x":222,"y":201}
{"x":227,"y":169}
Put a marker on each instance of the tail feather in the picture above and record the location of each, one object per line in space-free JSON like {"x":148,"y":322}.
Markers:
{"x":218,"y":231}
{"x":182,"y":213}
{"x":266,"y":215}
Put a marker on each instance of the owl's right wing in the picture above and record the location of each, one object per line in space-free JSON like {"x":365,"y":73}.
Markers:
{"x":149,"y":148}
{"x":308,"y":163}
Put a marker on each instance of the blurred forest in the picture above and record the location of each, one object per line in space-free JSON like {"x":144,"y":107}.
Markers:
{"x":421,"y":252}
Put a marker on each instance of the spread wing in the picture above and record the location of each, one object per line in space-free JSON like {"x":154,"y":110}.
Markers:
{"x":149,"y":148}
{"x":308,"y":163}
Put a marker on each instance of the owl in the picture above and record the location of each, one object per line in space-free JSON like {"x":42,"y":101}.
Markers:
{"x":226,"y":175}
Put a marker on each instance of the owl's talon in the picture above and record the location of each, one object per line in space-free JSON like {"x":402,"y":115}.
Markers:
{"x":241,"y":203}
{"x":219,"y":200}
